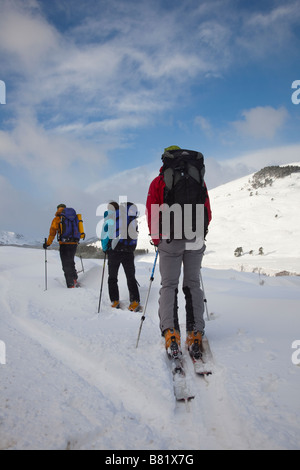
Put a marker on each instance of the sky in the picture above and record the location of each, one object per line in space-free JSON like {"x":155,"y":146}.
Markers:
{"x":92,"y":91}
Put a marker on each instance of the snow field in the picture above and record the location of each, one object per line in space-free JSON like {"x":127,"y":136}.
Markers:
{"x":74,"y":379}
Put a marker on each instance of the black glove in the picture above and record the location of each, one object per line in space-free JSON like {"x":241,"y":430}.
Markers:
{"x":45,"y":246}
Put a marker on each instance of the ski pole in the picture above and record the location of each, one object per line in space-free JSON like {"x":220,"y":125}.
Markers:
{"x":204,"y":299}
{"x":82,"y":264}
{"x":143,"y":316}
{"x":45,"y":265}
{"x":82,"y":267}
{"x":101,"y":287}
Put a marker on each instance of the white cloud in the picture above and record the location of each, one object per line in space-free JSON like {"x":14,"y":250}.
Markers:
{"x":117,"y":59}
{"x":265,"y":33}
{"x":148,"y":49}
{"x":78,"y":93}
{"x":133,"y":183}
{"x":25,"y":36}
{"x":268,"y":156}
{"x":16,"y":208}
{"x":204,"y":125}
{"x":47,"y":156}
{"x":219,"y":172}
{"x":261,"y":122}
{"x":286,"y":14}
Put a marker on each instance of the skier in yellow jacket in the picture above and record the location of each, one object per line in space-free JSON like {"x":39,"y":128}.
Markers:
{"x":67,"y":249}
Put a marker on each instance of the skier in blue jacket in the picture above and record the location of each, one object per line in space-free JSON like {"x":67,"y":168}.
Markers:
{"x":119,"y":252}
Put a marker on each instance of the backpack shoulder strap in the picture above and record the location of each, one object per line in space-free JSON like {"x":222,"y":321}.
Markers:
{"x":168,"y":175}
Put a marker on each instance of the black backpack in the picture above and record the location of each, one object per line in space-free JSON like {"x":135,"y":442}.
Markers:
{"x":183,"y":172}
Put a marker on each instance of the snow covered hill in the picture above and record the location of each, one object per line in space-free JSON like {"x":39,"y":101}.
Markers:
{"x":259,"y":214}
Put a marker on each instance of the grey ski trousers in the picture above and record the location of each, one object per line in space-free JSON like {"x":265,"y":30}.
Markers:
{"x":172,"y":256}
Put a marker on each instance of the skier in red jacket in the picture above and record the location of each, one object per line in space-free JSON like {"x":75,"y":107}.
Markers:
{"x":173,"y":253}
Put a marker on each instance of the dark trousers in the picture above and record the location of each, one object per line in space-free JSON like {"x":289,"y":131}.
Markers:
{"x":67,"y":256}
{"x":115,"y":259}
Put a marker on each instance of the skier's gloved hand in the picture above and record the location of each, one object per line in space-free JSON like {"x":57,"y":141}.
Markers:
{"x":155,"y":242}
{"x":45,"y":246}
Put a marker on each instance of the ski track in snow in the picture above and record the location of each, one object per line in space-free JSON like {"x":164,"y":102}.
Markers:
{"x":75,"y":380}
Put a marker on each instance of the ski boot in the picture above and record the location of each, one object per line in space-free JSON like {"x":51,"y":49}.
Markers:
{"x":134,"y":306}
{"x":194,"y":344}
{"x":172,"y":339}
{"x":115,"y":304}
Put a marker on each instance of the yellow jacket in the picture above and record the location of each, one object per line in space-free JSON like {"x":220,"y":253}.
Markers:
{"x":55,"y":228}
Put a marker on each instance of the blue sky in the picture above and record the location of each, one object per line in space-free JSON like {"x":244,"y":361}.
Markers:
{"x":95,"y":90}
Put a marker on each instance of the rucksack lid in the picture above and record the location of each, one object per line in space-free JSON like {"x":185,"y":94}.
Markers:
{"x":178,"y":162}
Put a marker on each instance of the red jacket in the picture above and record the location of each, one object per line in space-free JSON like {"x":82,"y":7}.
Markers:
{"x":156,"y":196}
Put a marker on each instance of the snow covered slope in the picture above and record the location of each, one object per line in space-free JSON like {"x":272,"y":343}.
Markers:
{"x":254,"y":213}
{"x":73,"y":379}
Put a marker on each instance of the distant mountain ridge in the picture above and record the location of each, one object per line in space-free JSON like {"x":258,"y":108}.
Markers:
{"x":12,"y":238}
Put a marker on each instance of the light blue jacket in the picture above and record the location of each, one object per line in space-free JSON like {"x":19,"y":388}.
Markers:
{"x":108,"y":232}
